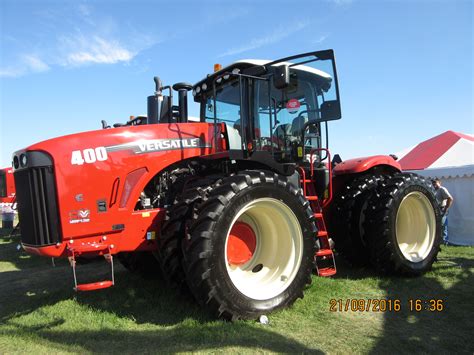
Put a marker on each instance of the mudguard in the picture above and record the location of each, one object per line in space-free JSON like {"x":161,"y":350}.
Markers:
{"x":359,"y":165}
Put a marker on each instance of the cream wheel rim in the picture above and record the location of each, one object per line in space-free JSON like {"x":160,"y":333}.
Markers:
{"x":415,"y":226}
{"x":277,"y":253}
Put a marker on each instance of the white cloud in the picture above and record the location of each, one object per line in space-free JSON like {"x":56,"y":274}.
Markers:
{"x":27,"y":63}
{"x":86,"y":40}
{"x":276,"y":36}
{"x":10,"y":72}
{"x":80,"y":50}
{"x":35,"y":64}
{"x":321,"y":39}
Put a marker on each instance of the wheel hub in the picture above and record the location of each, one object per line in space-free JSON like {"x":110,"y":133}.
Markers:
{"x":241,"y":244}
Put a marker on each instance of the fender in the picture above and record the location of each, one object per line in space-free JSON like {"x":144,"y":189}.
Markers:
{"x":359,"y":165}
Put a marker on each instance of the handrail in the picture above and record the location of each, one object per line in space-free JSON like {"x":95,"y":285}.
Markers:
{"x":311,"y":161}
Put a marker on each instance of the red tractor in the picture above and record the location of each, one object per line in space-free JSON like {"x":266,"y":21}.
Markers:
{"x":7,"y":186}
{"x":238,"y":208}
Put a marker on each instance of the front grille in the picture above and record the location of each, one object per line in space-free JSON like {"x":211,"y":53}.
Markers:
{"x":37,"y":205}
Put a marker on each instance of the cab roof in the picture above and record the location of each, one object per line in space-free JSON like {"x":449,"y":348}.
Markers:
{"x":261,"y":64}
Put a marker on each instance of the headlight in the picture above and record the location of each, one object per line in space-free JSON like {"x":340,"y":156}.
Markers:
{"x":23,"y":160}
{"x":16,"y":162}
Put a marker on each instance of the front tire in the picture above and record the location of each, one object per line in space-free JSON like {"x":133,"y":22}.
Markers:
{"x":251,"y":246}
{"x":404,"y":226}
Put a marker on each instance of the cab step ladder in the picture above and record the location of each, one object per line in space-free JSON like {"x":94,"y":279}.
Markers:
{"x":324,"y":261}
{"x":100,"y":249}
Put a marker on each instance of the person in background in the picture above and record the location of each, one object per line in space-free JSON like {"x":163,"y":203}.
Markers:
{"x":445,"y":201}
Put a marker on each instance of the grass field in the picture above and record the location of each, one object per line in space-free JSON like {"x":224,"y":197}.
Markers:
{"x":40,"y":313}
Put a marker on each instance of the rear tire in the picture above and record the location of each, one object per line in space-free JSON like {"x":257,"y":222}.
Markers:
{"x":347,"y":224}
{"x":259,"y":206}
{"x":404,"y":225}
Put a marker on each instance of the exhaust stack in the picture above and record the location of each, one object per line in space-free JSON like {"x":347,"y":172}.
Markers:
{"x":154,"y":103}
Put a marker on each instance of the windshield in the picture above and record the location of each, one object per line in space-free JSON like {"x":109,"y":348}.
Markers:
{"x":227,"y":104}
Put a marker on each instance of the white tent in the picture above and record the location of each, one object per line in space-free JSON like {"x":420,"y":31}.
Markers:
{"x":460,"y":183}
{"x":450,"y":158}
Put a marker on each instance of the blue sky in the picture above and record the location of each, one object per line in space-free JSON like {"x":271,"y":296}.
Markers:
{"x":405,"y":67}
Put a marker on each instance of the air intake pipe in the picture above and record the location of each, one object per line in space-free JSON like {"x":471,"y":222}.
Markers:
{"x":182,"y":89}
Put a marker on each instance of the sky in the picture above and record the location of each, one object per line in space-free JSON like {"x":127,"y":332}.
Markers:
{"x":405,"y":67}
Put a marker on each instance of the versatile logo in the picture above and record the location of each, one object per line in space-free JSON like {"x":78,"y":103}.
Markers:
{"x":159,"y":145}
{"x":79,"y":216}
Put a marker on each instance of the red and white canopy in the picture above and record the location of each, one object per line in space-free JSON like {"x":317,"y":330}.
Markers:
{"x":449,"y":157}
{"x":445,"y":150}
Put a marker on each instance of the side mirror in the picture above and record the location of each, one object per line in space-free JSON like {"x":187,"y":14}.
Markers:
{"x":281,"y":77}
{"x":330,"y":110}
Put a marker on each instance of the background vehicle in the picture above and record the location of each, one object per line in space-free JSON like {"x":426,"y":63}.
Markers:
{"x":233,"y":207}
{"x":7,"y":185}
{"x":7,"y":198}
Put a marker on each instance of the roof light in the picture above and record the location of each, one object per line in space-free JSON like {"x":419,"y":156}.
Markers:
{"x":227,"y":76}
{"x":217,"y":67}
{"x":198,"y":89}
{"x":236,"y":71}
{"x":194,"y":92}
{"x":204,"y":86}
{"x":219,"y":80}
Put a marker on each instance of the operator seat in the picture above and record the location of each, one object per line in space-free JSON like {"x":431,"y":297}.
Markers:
{"x":297,"y":125}
{"x":283,"y":131}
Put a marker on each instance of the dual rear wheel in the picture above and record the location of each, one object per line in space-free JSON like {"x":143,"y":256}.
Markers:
{"x":248,"y":245}
{"x":391,"y":222}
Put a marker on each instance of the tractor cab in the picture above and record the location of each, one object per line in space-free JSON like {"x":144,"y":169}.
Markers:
{"x":273,"y":111}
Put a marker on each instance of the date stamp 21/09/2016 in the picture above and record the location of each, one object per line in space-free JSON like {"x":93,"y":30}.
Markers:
{"x":385,"y":305}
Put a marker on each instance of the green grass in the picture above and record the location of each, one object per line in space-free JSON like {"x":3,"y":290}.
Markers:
{"x":40,"y":313}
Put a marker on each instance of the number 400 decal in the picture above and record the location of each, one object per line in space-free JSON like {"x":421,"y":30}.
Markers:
{"x":88,"y":156}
